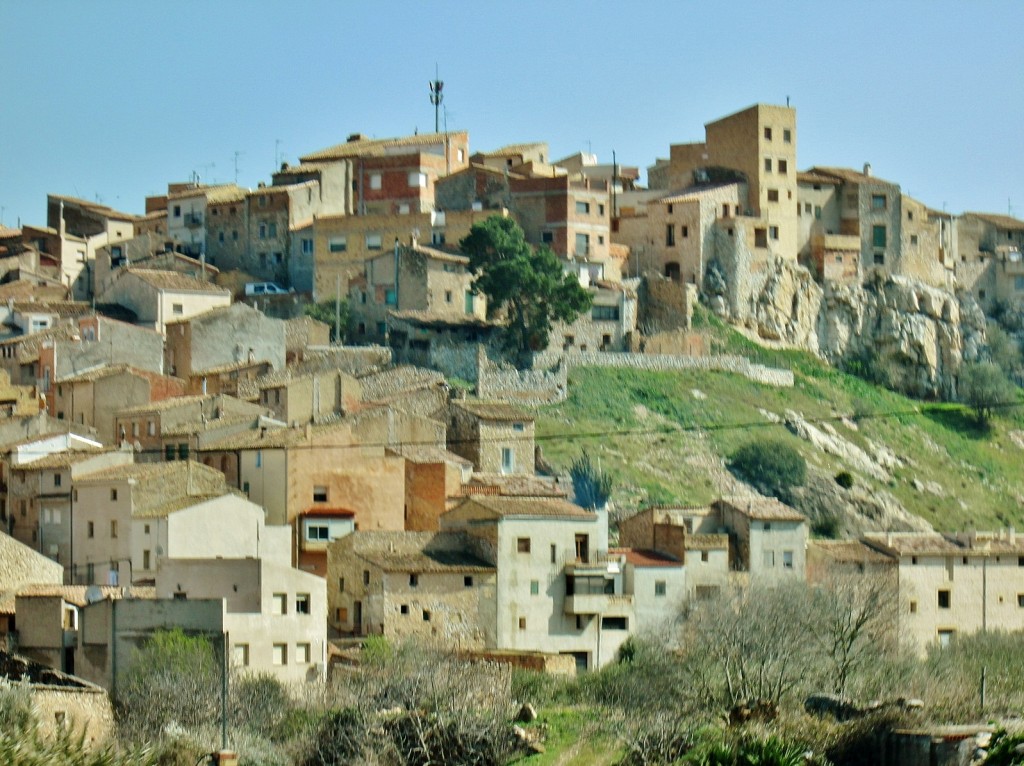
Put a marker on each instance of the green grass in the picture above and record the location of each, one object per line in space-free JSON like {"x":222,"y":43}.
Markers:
{"x":656,"y":436}
{"x":575,"y":736}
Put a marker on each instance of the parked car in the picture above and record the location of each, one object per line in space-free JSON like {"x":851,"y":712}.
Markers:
{"x":265,"y":288}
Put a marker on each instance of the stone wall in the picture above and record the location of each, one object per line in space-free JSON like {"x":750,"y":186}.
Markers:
{"x":455,"y":361}
{"x":85,"y":708}
{"x":663,"y":363}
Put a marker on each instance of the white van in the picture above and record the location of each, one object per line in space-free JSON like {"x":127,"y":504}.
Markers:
{"x":264,"y":288}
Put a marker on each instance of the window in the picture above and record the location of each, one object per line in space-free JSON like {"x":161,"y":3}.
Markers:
{"x":817,"y":212}
{"x":234,"y":235}
{"x":534,"y":587}
{"x":660,"y":588}
{"x":417,"y":180}
{"x":468,"y":581}
{"x":508,"y":460}
{"x":447,"y":296}
{"x":319,"y":494}
{"x":90,"y":529}
{"x":279,"y":603}
{"x":280,"y":654}
{"x":307,"y":246}
{"x":686,"y":231}
{"x":375,"y":180}
{"x":725,"y":210}
{"x":670,"y":235}
{"x":317,"y":532}
{"x":773,"y":232}
{"x":177,"y":309}
{"x":113,"y":527}
{"x":366,"y":577}
{"x":1018,"y":283}
{"x":878,"y":202}
{"x":878,"y":235}
{"x":373,"y":242}
{"x":519,"y":427}
{"x":913,"y":607}
{"x":605,"y":313}
{"x":943,"y":599}
{"x":879,"y":259}
{"x":582,"y":244}
{"x":56,"y":479}
{"x":426,"y":615}
{"x":523,"y":545}
{"x":773,"y":195}
{"x":150,"y":430}
{"x":547,"y":237}
{"x":600,"y":209}
{"x":1020,"y":600}
{"x":760,"y":238}
{"x":301,"y":603}
{"x":240,"y":655}
{"x":787,"y":559}
{"x":404,"y":609}
{"x":769,"y":559}
{"x":614,"y":623}
{"x":583,"y":207}
{"x":183,"y":451}
{"x":220,"y":235}
{"x":177,"y":211}
{"x":767,"y":134}
{"x":337,"y":244}
{"x":135,"y":429}
{"x":263,"y":231}
{"x":767,"y":164}
{"x":341,"y":584}
{"x":414,"y":580}
{"x":787,"y":136}
{"x":554,"y":554}
{"x":168,"y":452}
{"x":391,"y":297}
{"x":302,"y":654}
{"x":946,"y":638}
{"x":705,"y":556}
{"x":783,"y":167}
{"x":522,"y":623}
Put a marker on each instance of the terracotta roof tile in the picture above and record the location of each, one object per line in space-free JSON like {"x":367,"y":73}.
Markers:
{"x":173,"y":280}
{"x":493,"y":410}
{"x":377,"y":146}
{"x":520,"y":506}
{"x":761,"y":508}
{"x":646,"y":558}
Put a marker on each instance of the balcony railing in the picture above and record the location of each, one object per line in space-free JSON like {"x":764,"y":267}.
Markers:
{"x":193,"y":220}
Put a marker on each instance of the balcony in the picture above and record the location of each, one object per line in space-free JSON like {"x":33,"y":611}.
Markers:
{"x":193,"y":220}
{"x":594,"y":585}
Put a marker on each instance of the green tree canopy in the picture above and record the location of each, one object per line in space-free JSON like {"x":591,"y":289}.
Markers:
{"x":527,"y":283}
{"x":773,"y":467}
{"x":983,"y":387}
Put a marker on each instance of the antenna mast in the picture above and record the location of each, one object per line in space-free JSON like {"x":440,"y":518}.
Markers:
{"x":436,"y":97}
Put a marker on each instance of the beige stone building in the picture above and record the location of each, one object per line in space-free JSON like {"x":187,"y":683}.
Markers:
{"x":956,"y":584}
{"x":990,"y":265}
{"x":229,"y":335}
{"x":495,"y":437}
{"x":159,"y":297}
{"x":310,"y":398}
{"x":768,"y":539}
{"x":20,"y":565}
{"x":425,"y":585}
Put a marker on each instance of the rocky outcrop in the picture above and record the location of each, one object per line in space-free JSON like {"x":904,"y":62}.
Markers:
{"x":904,"y":334}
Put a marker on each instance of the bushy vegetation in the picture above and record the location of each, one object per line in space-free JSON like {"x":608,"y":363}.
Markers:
{"x":985,"y":388}
{"x":771,"y":466}
{"x":591,"y":485}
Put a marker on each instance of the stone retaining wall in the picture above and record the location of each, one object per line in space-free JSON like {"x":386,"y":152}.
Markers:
{"x":738,"y":365}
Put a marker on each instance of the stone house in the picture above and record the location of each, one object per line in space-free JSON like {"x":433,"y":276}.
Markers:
{"x":188,"y":210}
{"x":412,"y":278}
{"x":558,"y":590}
{"x":232,"y":379}
{"x":955,"y":584}
{"x":309,"y":398}
{"x":610,"y":325}
{"x":17,"y":401}
{"x":20,"y":565}
{"x":496,"y":437}
{"x":125,"y":519}
{"x":425,"y":585}
{"x":79,"y":228}
{"x":229,"y":335}
{"x":693,"y":536}
{"x":304,"y":334}
{"x":39,"y":496}
{"x":767,"y":538}
{"x":990,"y":265}
{"x":159,"y":297}
{"x":432,"y":476}
{"x":94,"y":397}
{"x":154,"y":428}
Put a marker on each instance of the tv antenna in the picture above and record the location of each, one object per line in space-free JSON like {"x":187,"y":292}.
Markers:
{"x":436,"y":98}
{"x":237,"y":155}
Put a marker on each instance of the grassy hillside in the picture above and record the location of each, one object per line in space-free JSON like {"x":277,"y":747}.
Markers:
{"x":663,"y":435}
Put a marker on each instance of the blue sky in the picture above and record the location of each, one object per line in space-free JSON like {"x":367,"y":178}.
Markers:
{"x":112,"y":100}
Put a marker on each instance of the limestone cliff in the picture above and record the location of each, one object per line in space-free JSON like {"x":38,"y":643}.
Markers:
{"x":907,"y":335}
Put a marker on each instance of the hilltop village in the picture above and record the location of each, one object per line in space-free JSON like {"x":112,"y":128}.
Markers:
{"x":277,"y":416}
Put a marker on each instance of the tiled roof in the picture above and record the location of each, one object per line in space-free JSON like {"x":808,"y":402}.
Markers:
{"x":75,"y":594}
{"x":24,"y":289}
{"x":173,"y":280}
{"x":511,"y":150}
{"x":1000,"y":221}
{"x":20,"y":564}
{"x":283,"y":189}
{"x":330,"y":513}
{"x":913,"y":543}
{"x":166,"y":404}
{"x":849,"y":175}
{"x":97,"y":373}
{"x":94,"y":207}
{"x":59,"y":308}
{"x":429,"y":318}
{"x":512,"y":485}
{"x":159,"y":510}
{"x":371,"y":146}
{"x":418,"y":552}
{"x":762,"y":508}
{"x":646,"y":558}
{"x":198,"y":425}
{"x":848,"y":551}
{"x":519,"y":506}
{"x":63,"y":459}
{"x":710,"y":542}
{"x":427,"y":454}
{"x":694,"y":192}
{"x":275,"y":438}
{"x":214,"y":194}
{"x":28,"y":345}
{"x":441,"y":255}
{"x":493,"y":410}
{"x":6,"y":232}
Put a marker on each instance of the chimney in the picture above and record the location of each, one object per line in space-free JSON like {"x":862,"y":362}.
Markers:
{"x":867,"y":169}
{"x":1013,"y":536}
{"x":888,"y":539}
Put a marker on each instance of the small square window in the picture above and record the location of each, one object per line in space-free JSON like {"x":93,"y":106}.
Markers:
{"x":704,"y":556}
{"x":319,"y":494}
{"x":944,"y":599}
{"x":366,"y":577}
{"x":280,"y":654}
{"x":773,"y":195}
{"x":302,"y":653}
{"x":767,"y":164}
{"x":279,"y":603}
{"x":113,"y":494}
{"x":414,"y":580}
{"x":787,"y":135}
{"x":302,"y":603}
{"x":783,"y":167}
{"x":767,"y":134}
{"x":534,"y":587}
{"x":660,"y":588}
{"x":913,"y":607}
{"x":522,"y":623}
{"x":426,"y":615}
{"x":523,"y":545}
{"x":404,"y":609}
{"x":468,"y":581}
